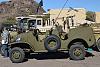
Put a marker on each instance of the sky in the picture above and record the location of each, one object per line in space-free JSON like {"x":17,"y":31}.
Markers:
{"x":89,"y":5}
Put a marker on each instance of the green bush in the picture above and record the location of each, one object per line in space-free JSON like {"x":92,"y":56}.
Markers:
{"x":91,"y":16}
{"x":10,"y":20}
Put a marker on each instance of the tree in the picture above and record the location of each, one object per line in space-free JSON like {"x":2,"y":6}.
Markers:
{"x":10,"y":20}
{"x":91,"y":16}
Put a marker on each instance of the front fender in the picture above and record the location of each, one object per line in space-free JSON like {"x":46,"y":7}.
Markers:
{"x":21,"y":45}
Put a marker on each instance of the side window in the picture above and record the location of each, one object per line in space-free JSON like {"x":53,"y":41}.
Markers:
{"x":38,"y":22}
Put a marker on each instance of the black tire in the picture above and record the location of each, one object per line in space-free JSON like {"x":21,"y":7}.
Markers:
{"x":50,"y":39}
{"x":98,"y":44}
{"x":77,"y":51}
{"x":20,"y":57}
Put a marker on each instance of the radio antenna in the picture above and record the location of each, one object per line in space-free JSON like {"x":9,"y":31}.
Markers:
{"x":61,"y":9}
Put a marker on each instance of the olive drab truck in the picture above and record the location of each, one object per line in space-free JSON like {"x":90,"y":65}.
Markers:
{"x":76,"y":41}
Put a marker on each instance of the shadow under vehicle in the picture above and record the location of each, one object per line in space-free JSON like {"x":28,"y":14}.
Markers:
{"x":76,"y":41}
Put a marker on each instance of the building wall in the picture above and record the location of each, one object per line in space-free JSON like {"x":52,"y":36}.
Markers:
{"x":78,"y":16}
{"x":97,"y":17}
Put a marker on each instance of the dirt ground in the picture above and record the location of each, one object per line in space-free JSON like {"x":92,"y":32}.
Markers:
{"x":92,"y":59}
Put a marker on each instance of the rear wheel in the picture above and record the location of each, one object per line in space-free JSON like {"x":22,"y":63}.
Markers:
{"x":17,"y":55}
{"x":77,"y":52}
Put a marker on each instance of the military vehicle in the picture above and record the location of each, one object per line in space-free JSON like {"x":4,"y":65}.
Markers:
{"x":75,"y":42}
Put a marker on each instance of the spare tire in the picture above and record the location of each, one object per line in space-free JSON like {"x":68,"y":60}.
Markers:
{"x":52,"y":43}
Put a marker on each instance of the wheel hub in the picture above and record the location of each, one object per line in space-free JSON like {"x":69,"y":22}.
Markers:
{"x":16,"y":55}
{"x":77,"y":52}
{"x":52,"y":44}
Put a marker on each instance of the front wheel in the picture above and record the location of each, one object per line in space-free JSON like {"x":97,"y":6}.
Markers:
{"x":17,"y":55}
{"x":77,"y":52}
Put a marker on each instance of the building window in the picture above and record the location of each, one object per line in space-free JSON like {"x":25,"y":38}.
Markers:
{"x":38,"y":22}
{"x":43,"y":23}
{"x":49,"y":22}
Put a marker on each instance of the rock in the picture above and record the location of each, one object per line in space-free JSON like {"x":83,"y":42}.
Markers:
{"x":15,"y":8}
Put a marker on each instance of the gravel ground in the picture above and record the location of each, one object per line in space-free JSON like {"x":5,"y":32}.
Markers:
{"x":54,"y":60}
